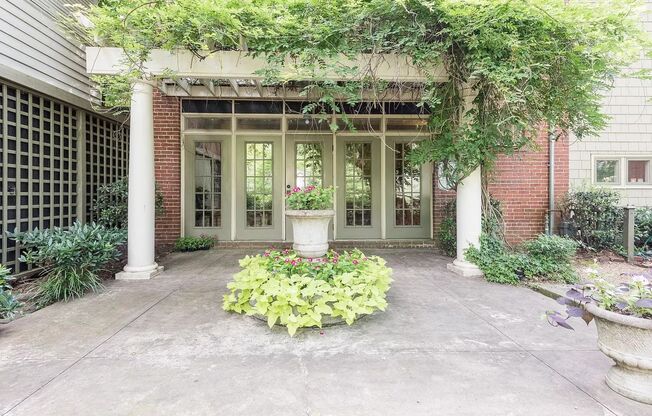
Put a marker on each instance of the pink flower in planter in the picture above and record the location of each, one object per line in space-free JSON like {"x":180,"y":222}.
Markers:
{"x":266,"y":254}
{"x":296,"y":189}
{"x":355,"y":261}
{"x":293,"y":262}
{"x":309,"y":188}
{"x":287,"y":259}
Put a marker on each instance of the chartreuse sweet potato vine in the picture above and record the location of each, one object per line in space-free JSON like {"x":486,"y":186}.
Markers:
{"x":526,"y":61}
{"x":297,"y":292}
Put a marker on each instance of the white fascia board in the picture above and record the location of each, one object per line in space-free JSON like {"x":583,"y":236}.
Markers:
{"x":240,"y":65}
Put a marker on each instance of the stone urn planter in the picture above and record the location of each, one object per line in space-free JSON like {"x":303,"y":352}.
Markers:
{"x":310,"y":228}
{"x":628,"y":341}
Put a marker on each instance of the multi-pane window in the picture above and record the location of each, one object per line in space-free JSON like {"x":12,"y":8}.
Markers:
{"x":407,"y":187}
{"x":259,"y":178}
{"x":309,"y":164}
{"x":208,"y":184}
{"x":357,"y":179}
{"x":607,"y":171}
{"x":638,"y":171}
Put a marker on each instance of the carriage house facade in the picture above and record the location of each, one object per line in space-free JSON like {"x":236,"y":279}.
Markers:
{"x":224,"y":149}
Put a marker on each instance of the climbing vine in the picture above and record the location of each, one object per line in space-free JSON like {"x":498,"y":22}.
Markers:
{"x":522,"y":62}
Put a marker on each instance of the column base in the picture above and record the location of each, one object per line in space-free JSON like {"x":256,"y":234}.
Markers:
{"x":464,"y":268}
{"x":139,"y":274}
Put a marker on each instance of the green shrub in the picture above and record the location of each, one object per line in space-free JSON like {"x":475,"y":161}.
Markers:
{"x":549,"y":257}
{"x":546,"y":257}
{"x":552,"y":246}
{"x":111,"y":204}
{"x":596,"y":215}
{"x":8,"y":303}
{"x":194,"y":243}
{"x":498,"y":264}
{"x":643,"y":228}
{"x":70,"y":258}
{"x":298,"y":292}
{"x":310,"y":198}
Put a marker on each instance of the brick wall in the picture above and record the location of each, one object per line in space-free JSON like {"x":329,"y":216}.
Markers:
{"x":520,"y":182}
{"x":167,"y":162}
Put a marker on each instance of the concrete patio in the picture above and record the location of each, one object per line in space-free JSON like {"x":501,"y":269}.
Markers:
{"x":446,"y":346}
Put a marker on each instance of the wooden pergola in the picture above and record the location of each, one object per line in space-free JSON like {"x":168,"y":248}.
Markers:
{"x":239,"y":74}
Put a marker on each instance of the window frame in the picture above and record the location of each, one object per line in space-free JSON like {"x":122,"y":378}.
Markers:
{"x":622,"y":180}
{"x":648,"y":180}
{"x":618,"y":170}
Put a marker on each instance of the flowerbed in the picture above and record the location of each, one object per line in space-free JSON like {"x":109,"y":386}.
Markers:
{"x":298,"y":292}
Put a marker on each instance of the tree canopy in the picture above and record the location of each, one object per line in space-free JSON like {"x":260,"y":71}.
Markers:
{"x":527,"y":61}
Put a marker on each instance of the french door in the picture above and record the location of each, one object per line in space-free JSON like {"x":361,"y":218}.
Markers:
{"x":408,"y":193}
{"x":308,"y":161}
{"x":259,"y":185}
{"x":358,"y":187}
{"x":207,"y":192}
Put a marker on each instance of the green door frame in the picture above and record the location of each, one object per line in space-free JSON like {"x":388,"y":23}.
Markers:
{"x":273,"y":232}
{"x":423,"y":230}
{"x":223,"y":231}
{"x":348,"y":232}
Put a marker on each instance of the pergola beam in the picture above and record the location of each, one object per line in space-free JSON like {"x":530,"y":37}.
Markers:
{"x":208,"y":84}
{"x":240,"y":65}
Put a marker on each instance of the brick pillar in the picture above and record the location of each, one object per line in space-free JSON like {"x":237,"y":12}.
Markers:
{"x":167,"y":163}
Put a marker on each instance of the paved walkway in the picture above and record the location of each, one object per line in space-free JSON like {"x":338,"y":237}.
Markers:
{"x":446,"y":346}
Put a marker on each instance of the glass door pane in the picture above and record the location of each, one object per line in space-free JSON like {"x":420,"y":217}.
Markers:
{"x":309,"y":164}
{"x":208,"y":184}
{"x":409,"y":190}
{"x":358,"y":187}
{"x":259,"y":188}
{"x":207,"y":210}
{"x":259,"y":179}
{"x":357,"y":184}
{"x":309,"y":161}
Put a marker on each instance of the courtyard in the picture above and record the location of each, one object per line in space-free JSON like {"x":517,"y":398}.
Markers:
{"x":447,"y":345}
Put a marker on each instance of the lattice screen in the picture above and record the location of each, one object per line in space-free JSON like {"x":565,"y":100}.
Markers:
{"x":39,"y":163}
{"x":107,"y":158}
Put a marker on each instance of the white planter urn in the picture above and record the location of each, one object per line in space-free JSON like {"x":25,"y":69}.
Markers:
{"x":628,"y":341}
{"x":310,"y":230}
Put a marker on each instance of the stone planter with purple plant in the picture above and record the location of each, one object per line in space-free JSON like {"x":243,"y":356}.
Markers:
{"x":623,"y":318}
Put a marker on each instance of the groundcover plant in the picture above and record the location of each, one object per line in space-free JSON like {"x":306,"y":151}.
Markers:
{"x":298,"y":292}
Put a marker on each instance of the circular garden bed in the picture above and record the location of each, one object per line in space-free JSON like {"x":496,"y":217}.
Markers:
{"x":301,"y":293}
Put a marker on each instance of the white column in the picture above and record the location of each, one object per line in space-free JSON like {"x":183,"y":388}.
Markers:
{"x":469,"y":222}
{"x":140,"y":261}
